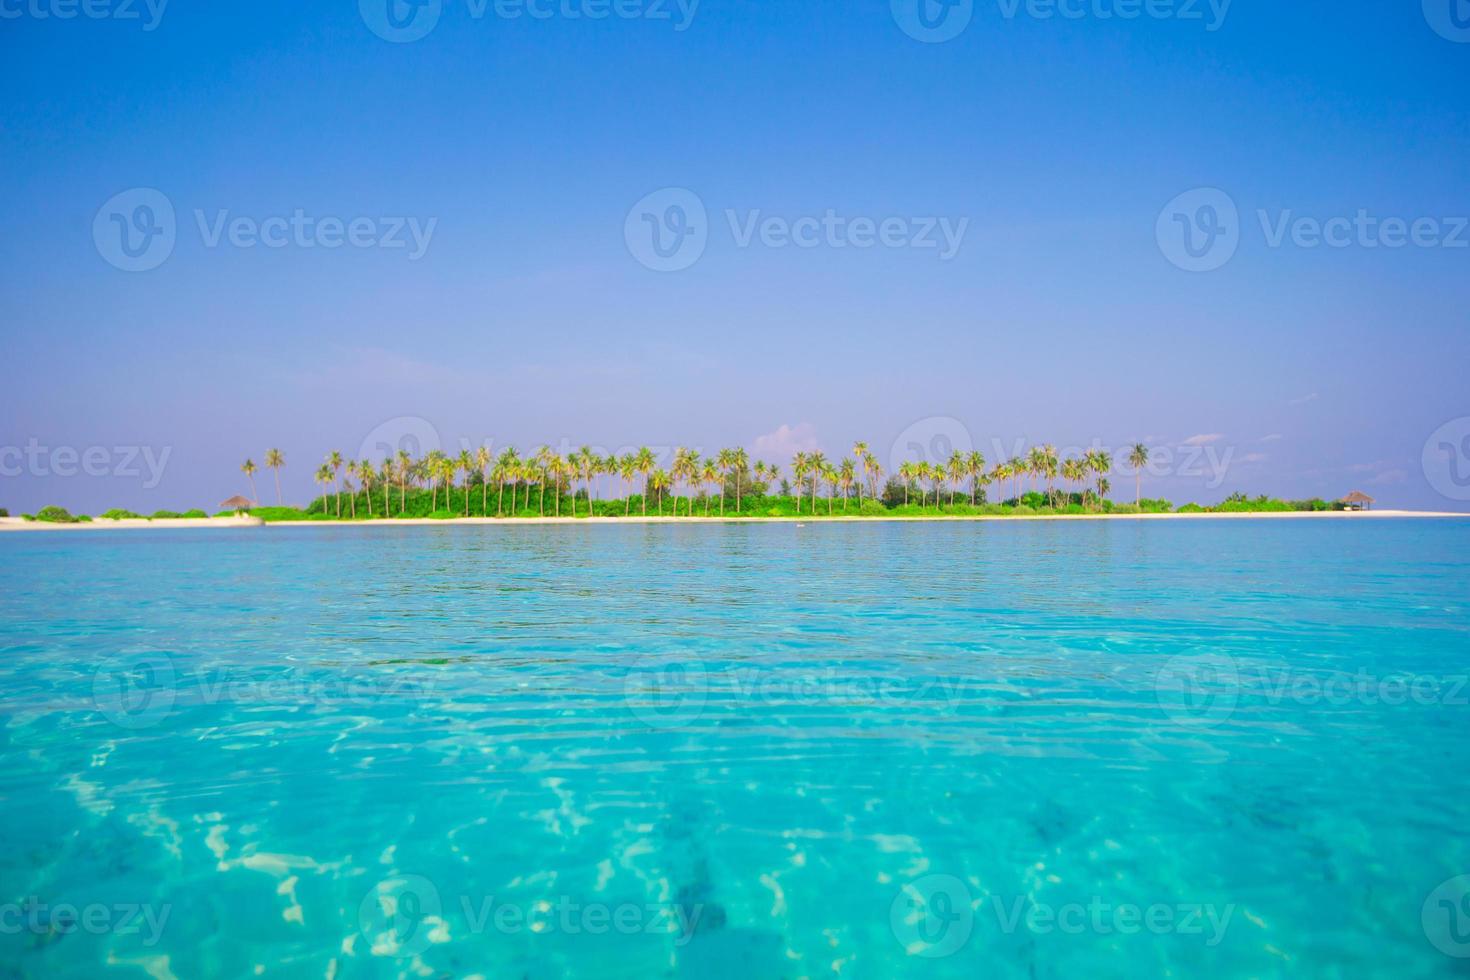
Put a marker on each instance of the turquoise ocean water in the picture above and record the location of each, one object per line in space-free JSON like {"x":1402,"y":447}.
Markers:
{"x":1203,"y":748}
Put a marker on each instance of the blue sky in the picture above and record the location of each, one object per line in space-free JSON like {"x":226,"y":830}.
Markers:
{"x":519,"y":147}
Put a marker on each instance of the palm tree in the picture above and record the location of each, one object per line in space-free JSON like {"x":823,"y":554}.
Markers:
{"x":847,"y":475}
{"x":248,"y":468}
{"x":559,"y":469}
{"x":274,"y":460}
{"x":817,"y":463}
{"x":465,"y":463}
{"x":833,"y":478}
{"x":955,"y":470}
{"x":334,"y":460}
{"x":658,"y":480}
{"x":683,"y":469}
{"x":365,"y":473}
{"x":860,"y":453}
{"x":1035,"y":463}
{"x":725,"y":463}
{"x":1073,"y":471}
{"x":643,"y":462}
{"x":800,"y":463}
{"x":505,"y":468}
{"x":906,"y":474}
{"x":1049,"y":466}
{"x":711,"y":473}
{"x":323,"y":477}
{"x":741,"y":461}
{"x":543,"y":459}
{"x":875,"y":473}
{"x":1099,"y":463}
{"x":572,"y":467}
{"x":590,"y":462}
{"x":448,"y":467}
{"x":937,"y":476}
{"x":1138,"y":458}
{"x":975,"y":470}
{"x":350,"y":468}
{"x":627,"y":469}
{"x":385,"y":475}
{"x":405,"y":467}
{"x":482,"y":463}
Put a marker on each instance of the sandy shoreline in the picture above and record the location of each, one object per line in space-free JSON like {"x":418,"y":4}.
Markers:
{"x":101,"y":524}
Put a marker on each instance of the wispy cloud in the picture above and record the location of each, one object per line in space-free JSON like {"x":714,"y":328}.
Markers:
{"x":1273,"y":437}
{"x":1204,"y":439}
{"x":785,"y":441}
{"x":1303,"y":399}
{"x":1252,"y":458}
{"x":1390,"y":476}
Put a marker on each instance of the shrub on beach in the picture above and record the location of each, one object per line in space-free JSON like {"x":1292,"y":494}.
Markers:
{"x":55,"y":515}
{"x":279,"y":513}
{"x":118,"y":514}
{"x":193,"y":513}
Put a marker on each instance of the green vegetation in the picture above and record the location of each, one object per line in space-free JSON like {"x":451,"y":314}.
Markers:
{"x":55,"y":515}
{"x":727,"y":483}
{"x":118,"y":514}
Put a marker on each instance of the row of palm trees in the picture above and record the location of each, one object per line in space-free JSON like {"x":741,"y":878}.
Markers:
{"x":728,"y":469}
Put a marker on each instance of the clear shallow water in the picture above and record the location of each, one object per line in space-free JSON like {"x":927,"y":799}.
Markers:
{"x":1007,"y":750}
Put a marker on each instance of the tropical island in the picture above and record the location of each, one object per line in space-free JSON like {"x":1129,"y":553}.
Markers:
{"x":545,"y":485}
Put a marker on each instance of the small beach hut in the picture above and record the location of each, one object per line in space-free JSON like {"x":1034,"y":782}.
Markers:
{"x":238,"y":504}
{"x":1357,"y":500}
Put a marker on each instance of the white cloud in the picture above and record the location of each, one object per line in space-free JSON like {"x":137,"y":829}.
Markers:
{"x":1390,"y":476}
{"x":1273,"y":437}
{"x":1204,"y":439}
{"x":1303,"y":399}
{"x":786,"y":441}
{"x":1253,"y":458}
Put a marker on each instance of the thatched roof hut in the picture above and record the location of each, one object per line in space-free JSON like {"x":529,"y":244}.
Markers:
{"x":1357,"y":500}
{"x":238,"y":504}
